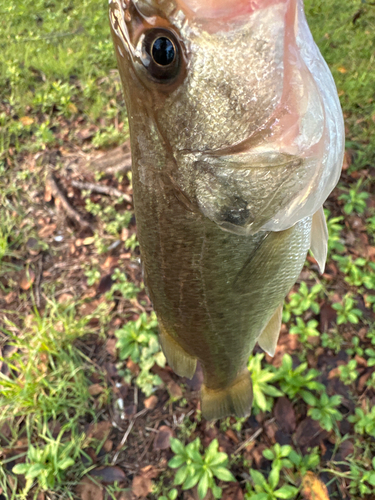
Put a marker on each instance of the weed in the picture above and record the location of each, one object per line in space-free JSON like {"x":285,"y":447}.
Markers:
{"x":263,"y":489}
{"x":346,"y":312}
{"x":138,"y":340}
{"x":195,"y":468}
{"x":364,"y":421}
{"x":324,"y":409}
{"x":49,"y":375}
{"x":261,"y":389}
{"x":47,"y":466}
{"x":335,"y":242}
{"x":355,"y":200}
{"x":348,"y":372}
{"x":302,"y":301}
{"x":303,"y":330}
{"x":294,"y":382}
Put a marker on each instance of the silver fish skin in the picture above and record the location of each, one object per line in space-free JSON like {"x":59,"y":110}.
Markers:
{"x":237,"y":140}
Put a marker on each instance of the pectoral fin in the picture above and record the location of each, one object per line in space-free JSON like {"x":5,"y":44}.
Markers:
{"x":235,"y":399}
{"x":319,"y":238}
{"x":270,"y":334}
{"x":178,"y":359}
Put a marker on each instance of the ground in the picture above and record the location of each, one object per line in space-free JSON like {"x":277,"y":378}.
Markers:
{"x":88,"y":407}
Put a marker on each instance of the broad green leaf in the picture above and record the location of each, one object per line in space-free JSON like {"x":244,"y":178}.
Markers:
{"x":191,"y":480}
{"x":181,"y":475}
{"x":20,"y":468}
{"x":286,"y":492}
{"x":176,"y":461}
{"x":65,"y":463}
{"x":177,"y":446}
{"x":203,"y":485}
{"x":35,"y":470}
{"x":223,"y":473}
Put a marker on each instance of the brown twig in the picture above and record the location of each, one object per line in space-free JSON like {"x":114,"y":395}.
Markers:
{"x":96,"y":188}
{"x":57,"y":193}
{"x":124,"y":166}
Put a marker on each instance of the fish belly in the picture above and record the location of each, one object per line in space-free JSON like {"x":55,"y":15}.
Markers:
{"x":213,"y":291}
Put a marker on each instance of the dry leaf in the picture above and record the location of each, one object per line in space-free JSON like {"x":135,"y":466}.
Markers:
{"x":88,"y":490}
{"x":342,"y":70}
{"x":47,"y":230}
{"x":109,"y":474}
{"x":141,"y":486}
{"x":26,"y":120}
{"x":27,"y":279}
{"x":95,"y":389}
{"x":162,"y":439}
{"x":174,"y":389}
{"x":151,"y":402}
{"x":89,"y":240}
{"x":47,"y":193}
{"x":313,"y":488}
{"x":99,"y":431}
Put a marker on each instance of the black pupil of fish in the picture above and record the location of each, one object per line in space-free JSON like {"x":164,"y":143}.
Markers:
{"x":163,"y":51}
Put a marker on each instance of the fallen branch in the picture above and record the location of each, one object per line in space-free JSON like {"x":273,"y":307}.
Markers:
{"x":96,"y":188}
{"x":72,"y":213}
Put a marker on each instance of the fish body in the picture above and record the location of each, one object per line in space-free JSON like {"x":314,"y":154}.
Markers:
{"x":237,"y":140}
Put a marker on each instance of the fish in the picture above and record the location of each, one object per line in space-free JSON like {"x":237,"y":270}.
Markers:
{"x":237,"y":139}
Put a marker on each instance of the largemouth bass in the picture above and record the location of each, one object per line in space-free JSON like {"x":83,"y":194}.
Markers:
{"x":237,"y":139}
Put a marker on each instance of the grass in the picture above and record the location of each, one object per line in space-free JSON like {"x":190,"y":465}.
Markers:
{"x":78,"y":345}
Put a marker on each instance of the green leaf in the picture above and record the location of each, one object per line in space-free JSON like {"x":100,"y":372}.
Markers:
{"x":177,"y":446}
{"x":191,"y":480}
{"x":268,"y":454}
{"x":176,"y":461}
{"x":172,"y":495}
{"x":274,"y":477}
{"x":286,"y":492}
{"x":308,"y":397}
{"x":35,"y":470}
{"x":181,"y":475}
{"x":203,"y":485}
{"x":65,"y":463}
{"x":20,"y":468}
{"x":219,"y":458}
{"x":223,"y":473}
{"x":258,"y":477}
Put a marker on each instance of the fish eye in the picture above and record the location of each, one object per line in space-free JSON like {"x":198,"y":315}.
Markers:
{"x":163,"y":51}
{"x":161,"y":54}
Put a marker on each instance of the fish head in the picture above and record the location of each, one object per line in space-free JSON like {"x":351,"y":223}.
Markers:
{"x":233,"y":104}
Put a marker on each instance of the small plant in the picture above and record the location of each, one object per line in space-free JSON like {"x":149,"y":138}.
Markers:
{"x":348,"y":373}
{"x":47,"y":465}
{"x":302,"y":301}
{"x":355,"y":200}
{"x":261,"y":389}
{"x":93,"y":276}
{"x":278,"y":455}
{"x":362,"y":481}
{"x":295,"y":382}
{"x":122,"y":285}
{"x":346,"y":312}
{"x":138,"y":340}
{"x":335,"y":242}
{"x":304,"y":331}
{"x":171,"y":495}
{"x":364,"y":420}
{"x":197,"y":469}
{"x":324,"y":409}
{"x":304,"y":463}
{"x":263,"y":489}
{"x":332,"y":340}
